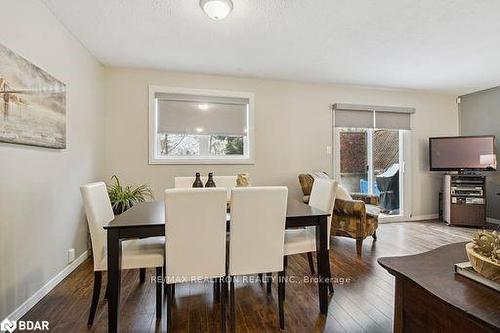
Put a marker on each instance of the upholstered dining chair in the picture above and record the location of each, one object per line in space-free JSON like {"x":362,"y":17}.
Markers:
{"x":227,"y":182}
{"x":136,"y":253}
{"x":304,"y":240}
{"x":258,"y":214}
{"x":195,"y":239}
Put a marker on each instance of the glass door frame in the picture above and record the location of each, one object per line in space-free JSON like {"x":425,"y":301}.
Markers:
{"x":405,"y":178}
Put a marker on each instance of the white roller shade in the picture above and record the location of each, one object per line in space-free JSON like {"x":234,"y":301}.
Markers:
{"x":186,"y":114}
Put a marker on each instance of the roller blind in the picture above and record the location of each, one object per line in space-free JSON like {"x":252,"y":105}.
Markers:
{"x":372,"y":116}
{"x":190,"y":114}
{"x":353,"y":118}
{"x":392,"y":120}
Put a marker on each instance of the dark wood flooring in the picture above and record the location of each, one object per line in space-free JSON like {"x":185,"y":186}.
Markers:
{"x":363,"y":299}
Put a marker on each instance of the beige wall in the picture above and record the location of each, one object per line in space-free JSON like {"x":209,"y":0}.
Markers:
{"x":41,"y":214}
{"x":292,"y":129}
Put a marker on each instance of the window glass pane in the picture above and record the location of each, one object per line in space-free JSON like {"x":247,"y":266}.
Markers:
{"x":179,"y":144}
{"x":386,"y":169}
{"x":199,"y":145}
{"x":226,"y":145}
{"x":353,"y":160}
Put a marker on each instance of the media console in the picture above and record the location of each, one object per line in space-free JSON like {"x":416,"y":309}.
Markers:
{"x":464,"y":200}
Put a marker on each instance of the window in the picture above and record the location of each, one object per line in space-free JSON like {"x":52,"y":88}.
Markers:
{"x":192,"y":126}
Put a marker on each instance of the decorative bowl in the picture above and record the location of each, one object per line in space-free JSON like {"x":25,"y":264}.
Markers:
{"x":483,"y":265}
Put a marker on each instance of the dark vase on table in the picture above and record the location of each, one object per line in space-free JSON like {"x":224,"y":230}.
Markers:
{"x":197,"y":181}
{"x":210,"y":181}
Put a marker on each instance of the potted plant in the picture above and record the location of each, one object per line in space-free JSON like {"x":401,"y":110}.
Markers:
{"x":123,"y":198}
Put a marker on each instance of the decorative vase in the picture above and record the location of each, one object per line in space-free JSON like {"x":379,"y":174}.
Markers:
{"x":242,"y":180}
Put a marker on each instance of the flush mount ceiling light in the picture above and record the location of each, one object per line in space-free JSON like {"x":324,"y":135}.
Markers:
{"x":216,"y":9}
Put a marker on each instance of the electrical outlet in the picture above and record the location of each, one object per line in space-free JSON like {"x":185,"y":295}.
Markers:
{"x":328,"y":150}
{"x":71,"y":255}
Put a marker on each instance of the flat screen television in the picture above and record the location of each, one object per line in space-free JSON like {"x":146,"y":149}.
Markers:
{"x":463,"y":153}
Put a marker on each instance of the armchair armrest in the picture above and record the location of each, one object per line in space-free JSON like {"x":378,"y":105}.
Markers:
{"x":354,"y":208}
{"x":369,"y":199}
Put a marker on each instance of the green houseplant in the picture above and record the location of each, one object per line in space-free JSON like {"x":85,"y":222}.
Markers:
{"x":123,"y":198}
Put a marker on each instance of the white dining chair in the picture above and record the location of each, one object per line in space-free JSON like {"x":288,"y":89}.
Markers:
{"x":303,"y":240}
{"x":195,"y":232}
{"x":136,"y":253}
{"x":227,"y":182}
{"x":256,"y":241}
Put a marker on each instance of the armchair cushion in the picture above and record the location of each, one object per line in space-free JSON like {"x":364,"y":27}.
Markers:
{"x":343,"y":194}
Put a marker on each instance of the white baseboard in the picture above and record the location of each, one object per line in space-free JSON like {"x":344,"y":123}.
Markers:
{"x":492,"y":220}
{"x":424,"y":217}
{"x":39,"y":294}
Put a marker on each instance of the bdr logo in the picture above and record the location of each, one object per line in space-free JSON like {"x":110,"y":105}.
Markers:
{"x":23,"y":325}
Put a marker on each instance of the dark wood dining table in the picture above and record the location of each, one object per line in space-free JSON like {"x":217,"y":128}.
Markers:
{"x":148,"y":219}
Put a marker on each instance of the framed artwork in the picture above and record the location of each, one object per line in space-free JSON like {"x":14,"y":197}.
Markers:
{"x":32,"y":103}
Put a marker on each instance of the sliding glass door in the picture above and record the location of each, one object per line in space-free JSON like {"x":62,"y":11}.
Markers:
{"x":371,"y":161}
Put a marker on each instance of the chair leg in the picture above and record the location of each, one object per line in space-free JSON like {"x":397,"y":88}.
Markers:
{"x":159,"y":284}
{"x":269,"y":281}
{"x":311,"y":263}
{"x":142,"y":275}
{"x":281,"y":298}
{"x":216,"y":286}
{"x":232,"y":305}
{"x":106,"y":294}
{"x":285,"y":261}
{"x":169,"y":307}
{"x":359,"y":246}
{"x":223,"y":282}
{"x":165,"y":274}
{"x":375,"y":235}
{"x":95,"y":296}
{"x":173,"y":292}
{"x":330,"y":283}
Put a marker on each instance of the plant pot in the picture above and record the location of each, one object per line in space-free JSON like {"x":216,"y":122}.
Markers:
{"x":483,"y":265}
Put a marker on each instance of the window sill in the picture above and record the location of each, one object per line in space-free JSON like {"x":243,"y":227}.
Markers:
{"x":194,"y":161}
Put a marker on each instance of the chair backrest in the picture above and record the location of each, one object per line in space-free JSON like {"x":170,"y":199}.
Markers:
{"x":323,"y":197}
{"x":195,"y":229}
{"x":227,"y":182}
{"x":258,"y":216}
{"x":99,"y":212}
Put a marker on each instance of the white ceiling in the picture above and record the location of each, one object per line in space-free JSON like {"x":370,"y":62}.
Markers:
{"x":451,"y":46}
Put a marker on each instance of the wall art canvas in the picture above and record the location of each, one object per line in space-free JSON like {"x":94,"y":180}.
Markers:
{"x":32,"y":103}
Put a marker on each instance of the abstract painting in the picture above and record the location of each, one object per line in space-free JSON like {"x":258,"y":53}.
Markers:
{"x":32,"y":104}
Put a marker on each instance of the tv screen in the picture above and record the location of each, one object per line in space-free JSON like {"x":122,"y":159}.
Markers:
{"x":462,"y":153}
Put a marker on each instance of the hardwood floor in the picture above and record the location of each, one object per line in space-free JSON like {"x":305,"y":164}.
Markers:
{"x":362,"y":302}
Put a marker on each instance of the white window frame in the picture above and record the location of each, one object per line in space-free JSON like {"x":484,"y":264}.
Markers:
{"x":155,"y":158}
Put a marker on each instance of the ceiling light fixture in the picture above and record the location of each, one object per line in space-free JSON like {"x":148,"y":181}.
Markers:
{"x":216,"y":9}
{"x":203,"y":106}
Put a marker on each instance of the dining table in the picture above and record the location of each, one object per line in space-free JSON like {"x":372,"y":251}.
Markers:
{"x":147,"y":219}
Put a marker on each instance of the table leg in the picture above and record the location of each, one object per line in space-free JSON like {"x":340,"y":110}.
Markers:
{"x":323,"y":263}
{"x":114,"y":278}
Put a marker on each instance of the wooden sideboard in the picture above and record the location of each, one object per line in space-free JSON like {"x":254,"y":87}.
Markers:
{"x":430,"y":297}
